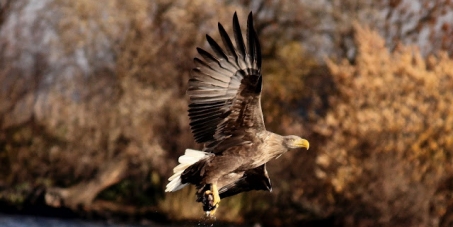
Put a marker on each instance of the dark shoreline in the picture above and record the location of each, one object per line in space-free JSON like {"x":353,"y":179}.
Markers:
{"x":95,"y":213}
{"x":145,"y":218}
{"x":99,"y":211}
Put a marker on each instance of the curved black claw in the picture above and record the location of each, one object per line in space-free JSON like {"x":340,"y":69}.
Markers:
{"x":208,"y":202}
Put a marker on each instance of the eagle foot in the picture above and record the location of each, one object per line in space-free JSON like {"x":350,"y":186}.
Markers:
{"x":211,"y":200}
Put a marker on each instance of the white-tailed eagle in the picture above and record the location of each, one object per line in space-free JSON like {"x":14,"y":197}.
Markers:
{"x":225,"y":115}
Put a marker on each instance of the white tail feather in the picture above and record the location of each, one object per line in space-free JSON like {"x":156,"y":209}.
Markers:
{"x":175,"y":175}
{"x":189,"y":158}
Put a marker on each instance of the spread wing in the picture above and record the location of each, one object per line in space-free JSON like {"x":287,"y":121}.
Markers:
{"x":225,"y":89}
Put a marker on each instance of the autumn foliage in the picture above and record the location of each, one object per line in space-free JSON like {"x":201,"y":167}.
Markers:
{"x":389,"y":135}
{"x":90,"y":92}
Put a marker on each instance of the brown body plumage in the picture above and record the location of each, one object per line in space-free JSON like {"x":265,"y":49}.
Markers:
{"x":225,"y":115}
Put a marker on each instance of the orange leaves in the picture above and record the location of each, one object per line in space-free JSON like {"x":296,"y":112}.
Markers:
{"x":392,"y":107}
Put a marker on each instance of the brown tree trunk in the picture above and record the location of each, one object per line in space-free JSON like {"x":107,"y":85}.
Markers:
{"x":83,"y":194}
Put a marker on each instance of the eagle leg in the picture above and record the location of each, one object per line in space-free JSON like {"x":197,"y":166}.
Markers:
{"x":213,"y":198}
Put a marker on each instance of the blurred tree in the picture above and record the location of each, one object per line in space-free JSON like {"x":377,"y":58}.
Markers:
{"x":427,"y":24}
{"x":388,"y":135}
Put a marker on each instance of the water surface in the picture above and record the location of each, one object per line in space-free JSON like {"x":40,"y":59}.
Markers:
{"x":33,"y":221}
{"x":7,"y":220}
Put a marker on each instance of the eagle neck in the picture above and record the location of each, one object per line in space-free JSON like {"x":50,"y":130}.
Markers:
{"x":273,"y":145}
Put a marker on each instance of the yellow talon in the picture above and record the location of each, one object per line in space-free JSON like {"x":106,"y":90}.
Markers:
{"x":215,"y":199}
{"x":215,"y":193}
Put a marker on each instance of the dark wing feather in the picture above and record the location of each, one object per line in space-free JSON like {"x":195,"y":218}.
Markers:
{"x":216,"y":48}
{"x":238,"y":37}
{"x":227,"y":43}
{"x":253,"y":44}
{"x":253,"y":179}
{"x":225,"y":88}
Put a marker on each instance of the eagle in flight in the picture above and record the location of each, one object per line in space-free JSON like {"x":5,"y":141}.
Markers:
{"x":225,"y":115}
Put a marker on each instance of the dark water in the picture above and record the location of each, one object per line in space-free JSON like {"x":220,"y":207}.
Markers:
{"x":7,"y":220}
{"x":33,"y":221}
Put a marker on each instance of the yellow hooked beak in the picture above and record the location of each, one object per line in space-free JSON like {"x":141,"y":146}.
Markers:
{"x":302,"y":143}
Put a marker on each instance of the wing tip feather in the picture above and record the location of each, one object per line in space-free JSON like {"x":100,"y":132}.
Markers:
{"x":243,"y":57}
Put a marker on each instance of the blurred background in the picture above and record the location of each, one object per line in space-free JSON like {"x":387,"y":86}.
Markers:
{"x":93,"y":112}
